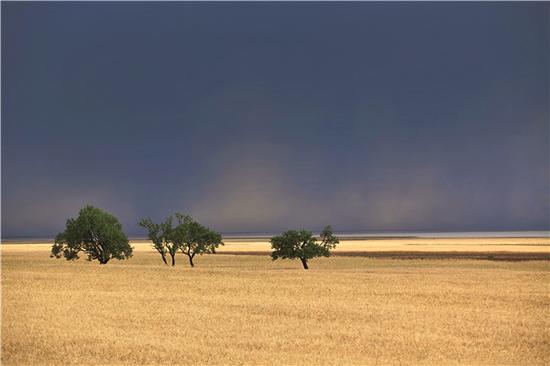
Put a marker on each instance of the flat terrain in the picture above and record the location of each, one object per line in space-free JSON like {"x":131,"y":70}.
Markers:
{"x":420,"y":248}
{"x":244,"y":309}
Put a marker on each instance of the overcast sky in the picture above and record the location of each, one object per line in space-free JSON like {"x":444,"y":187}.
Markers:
{"x":259,"y":117}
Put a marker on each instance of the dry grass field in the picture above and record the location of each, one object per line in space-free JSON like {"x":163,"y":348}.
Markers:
{"x":243,"y":309}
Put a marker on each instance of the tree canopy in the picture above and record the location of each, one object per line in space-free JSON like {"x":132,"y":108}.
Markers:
{"x":96,"y":233}
{"x":302,"y":244}
{"x":161,"y":236}
{"x":193,"y":238}
{"x":181,"y":232}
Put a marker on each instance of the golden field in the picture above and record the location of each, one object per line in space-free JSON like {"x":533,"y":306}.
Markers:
{"x":243,"y":309}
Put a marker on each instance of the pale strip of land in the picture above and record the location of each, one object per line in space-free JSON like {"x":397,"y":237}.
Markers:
{"x":415,"y":244}
{"x":517,"y":245}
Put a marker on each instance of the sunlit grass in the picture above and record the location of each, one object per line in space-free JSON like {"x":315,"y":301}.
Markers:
{"x":248,"y":309}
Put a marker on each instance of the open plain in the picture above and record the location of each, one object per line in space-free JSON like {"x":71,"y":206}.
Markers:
{"x":237,"y":308}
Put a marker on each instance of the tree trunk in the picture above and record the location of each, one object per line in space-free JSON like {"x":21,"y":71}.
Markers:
{"x":191,"y":260}
{"x":164,"y":259}
{"x":173,"y":259}
{"x":103,"y":261}
{"x":304,"y":262}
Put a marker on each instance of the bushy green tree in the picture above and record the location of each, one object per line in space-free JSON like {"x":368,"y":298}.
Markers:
{"x":301,"y":244}
{"x":193,"y":238}
{"x":161,"y":236}
{"x":96,"y":233}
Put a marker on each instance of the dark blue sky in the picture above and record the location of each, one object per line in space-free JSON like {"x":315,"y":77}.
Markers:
{"x":268,"y":116}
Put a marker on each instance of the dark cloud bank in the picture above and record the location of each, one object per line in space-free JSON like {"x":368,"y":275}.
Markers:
{"x":264,"y":116}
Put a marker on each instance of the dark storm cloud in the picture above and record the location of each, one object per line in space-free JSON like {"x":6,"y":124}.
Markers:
{"x":264,"y":116}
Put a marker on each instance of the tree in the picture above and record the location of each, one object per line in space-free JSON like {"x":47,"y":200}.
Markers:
{"x":193,"y":238}
{"x":301,"y":244}
{"x":161,"y":236}
{"x":94,"y":232}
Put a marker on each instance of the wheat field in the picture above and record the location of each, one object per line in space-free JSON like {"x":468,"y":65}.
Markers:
{"x":241,"y":309}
